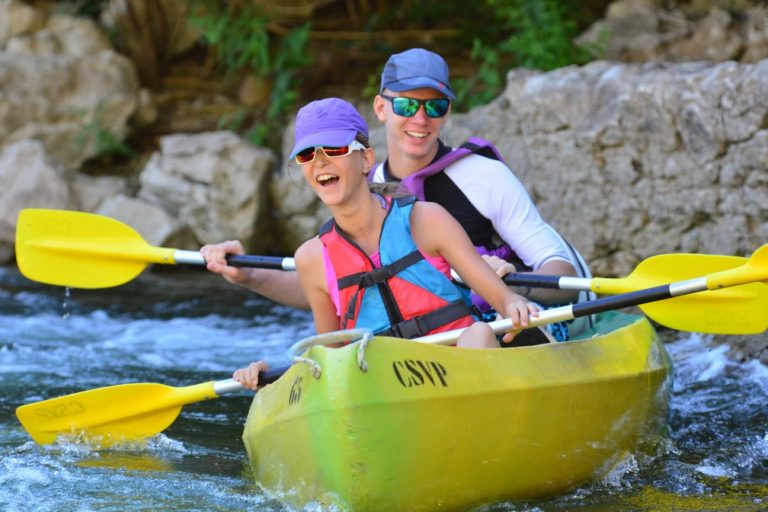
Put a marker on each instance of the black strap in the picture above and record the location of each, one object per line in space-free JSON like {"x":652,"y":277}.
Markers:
{"x":378,"y":277}
{"x":380,"y":274}
{"x":326,"y":227}
{"x":421,"y":325}
{"x":483,"y":150}
{"x":351,"y":307}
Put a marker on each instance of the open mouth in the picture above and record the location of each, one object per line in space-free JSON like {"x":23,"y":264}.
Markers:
{"x":326,"y":179}
{"x":418,"y":135}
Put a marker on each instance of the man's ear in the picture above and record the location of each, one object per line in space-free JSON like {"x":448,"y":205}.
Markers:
{"x":379,"y":106}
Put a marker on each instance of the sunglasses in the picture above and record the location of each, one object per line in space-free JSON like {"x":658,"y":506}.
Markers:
{"x":407,"y":107}
{"x":307,"y":155}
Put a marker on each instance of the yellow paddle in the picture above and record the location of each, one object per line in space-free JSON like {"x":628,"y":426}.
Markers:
{"x":131,"y":412}
{"x":755,"y":270}
{"x":735,"y":310}
{"x":120,"y":414}
{"x":84,"y":250}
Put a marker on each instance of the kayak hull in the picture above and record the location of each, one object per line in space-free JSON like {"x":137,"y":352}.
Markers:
{"x":430,"y":427}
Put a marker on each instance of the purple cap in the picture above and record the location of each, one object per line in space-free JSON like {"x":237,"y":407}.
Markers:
{"x":414,"y":69}
{"x":329,"y":122}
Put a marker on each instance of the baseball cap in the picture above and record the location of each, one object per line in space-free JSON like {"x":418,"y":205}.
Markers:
{"x":416,"y":68}
{"x":329,"y":122}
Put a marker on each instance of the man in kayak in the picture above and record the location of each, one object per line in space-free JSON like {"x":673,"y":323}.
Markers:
{"x":482,"y":193}
{"x":384,"y":263}
{"x":471,"y":182}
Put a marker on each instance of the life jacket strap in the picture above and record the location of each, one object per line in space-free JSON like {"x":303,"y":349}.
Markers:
{"x":421,"y":325}
{"x":381,"y":274}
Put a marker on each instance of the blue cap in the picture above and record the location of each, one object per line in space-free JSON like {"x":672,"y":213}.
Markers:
{"x":329,"y":122}
{"x":414,"y":69}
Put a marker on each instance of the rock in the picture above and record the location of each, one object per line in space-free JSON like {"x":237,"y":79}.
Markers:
{"x":156,"y":226}
{"x":90,"y":192}
{"x":654,"y":158}
{"x":29,"y":180}
{"x":215,"y":183}
{"x":643,"y":31}
{"x":746,"y":348}
{"x":62,"y":84}
{"x":17,"y":19}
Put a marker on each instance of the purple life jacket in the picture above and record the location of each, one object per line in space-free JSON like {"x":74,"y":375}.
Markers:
{"x":414,"y":185}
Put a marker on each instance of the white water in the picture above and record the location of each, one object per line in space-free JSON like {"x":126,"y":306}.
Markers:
{"x":185,"y":329}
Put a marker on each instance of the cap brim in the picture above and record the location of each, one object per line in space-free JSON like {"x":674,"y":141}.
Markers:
{"x":408,"y":84}
{"x":330,"y":138}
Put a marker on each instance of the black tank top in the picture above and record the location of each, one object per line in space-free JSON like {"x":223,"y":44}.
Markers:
{"x":441,"y":189}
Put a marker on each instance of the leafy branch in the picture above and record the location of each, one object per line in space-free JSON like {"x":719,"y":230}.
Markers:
{"x":243,"y":42}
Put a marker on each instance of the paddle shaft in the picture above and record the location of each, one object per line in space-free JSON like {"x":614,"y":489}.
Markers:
{"x":237,"y":260}
{"x":756,"y":269}
{"x":572,"y":311}
{"x":84,"y":250}
{"x":604,"y":285}
{"x":221,"y":387}
{"x":739,"y":310}
{"x":280,"y":263}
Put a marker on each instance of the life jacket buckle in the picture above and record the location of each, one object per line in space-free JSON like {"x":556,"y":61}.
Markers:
{"x":375,"y":276}
{"x":408,"y":329}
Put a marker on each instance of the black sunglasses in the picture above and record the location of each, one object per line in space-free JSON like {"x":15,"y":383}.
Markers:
{"x":407,"y":107}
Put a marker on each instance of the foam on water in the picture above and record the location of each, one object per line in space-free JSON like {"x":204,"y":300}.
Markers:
{"x":182,"y":332}
{"x":715,"y":455}
{"x":51,"y":345}
{"x":719,"y":412}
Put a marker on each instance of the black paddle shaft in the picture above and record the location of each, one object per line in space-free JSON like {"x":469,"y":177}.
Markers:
{"x":270,"y":376}
{"x":532,"y":280}
{"x":593,"y":307}
{"x":253,"y":261}
{"x":279,"y":263}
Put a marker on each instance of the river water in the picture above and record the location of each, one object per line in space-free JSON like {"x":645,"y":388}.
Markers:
{"x":181,"y":328}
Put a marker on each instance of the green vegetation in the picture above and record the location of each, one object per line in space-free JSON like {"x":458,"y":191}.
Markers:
{"x":495,"y":34}
{"x":106,"y":145}
{"x":241,"y":41}
{"x":291,"y":53}
{"x":536,"y":34}
{"x":541,"y":33}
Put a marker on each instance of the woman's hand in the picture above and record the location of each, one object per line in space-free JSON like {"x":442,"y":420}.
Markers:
{"x":519,"y":311}
{"x":249,"y":376}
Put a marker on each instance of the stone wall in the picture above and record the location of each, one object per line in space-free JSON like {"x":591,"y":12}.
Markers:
{"x":630,"y":160}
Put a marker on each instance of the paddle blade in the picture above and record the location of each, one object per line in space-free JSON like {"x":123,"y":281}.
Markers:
{"x":665,"y":269}
{"x":734,"y":310}
{"x":81,"y":250}
{"x":110,"y":415}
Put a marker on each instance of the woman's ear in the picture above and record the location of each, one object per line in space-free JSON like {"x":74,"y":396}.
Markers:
{"x":370,"y":158}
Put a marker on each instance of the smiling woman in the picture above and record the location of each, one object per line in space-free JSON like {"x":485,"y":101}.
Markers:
{"x":383,"y":263}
